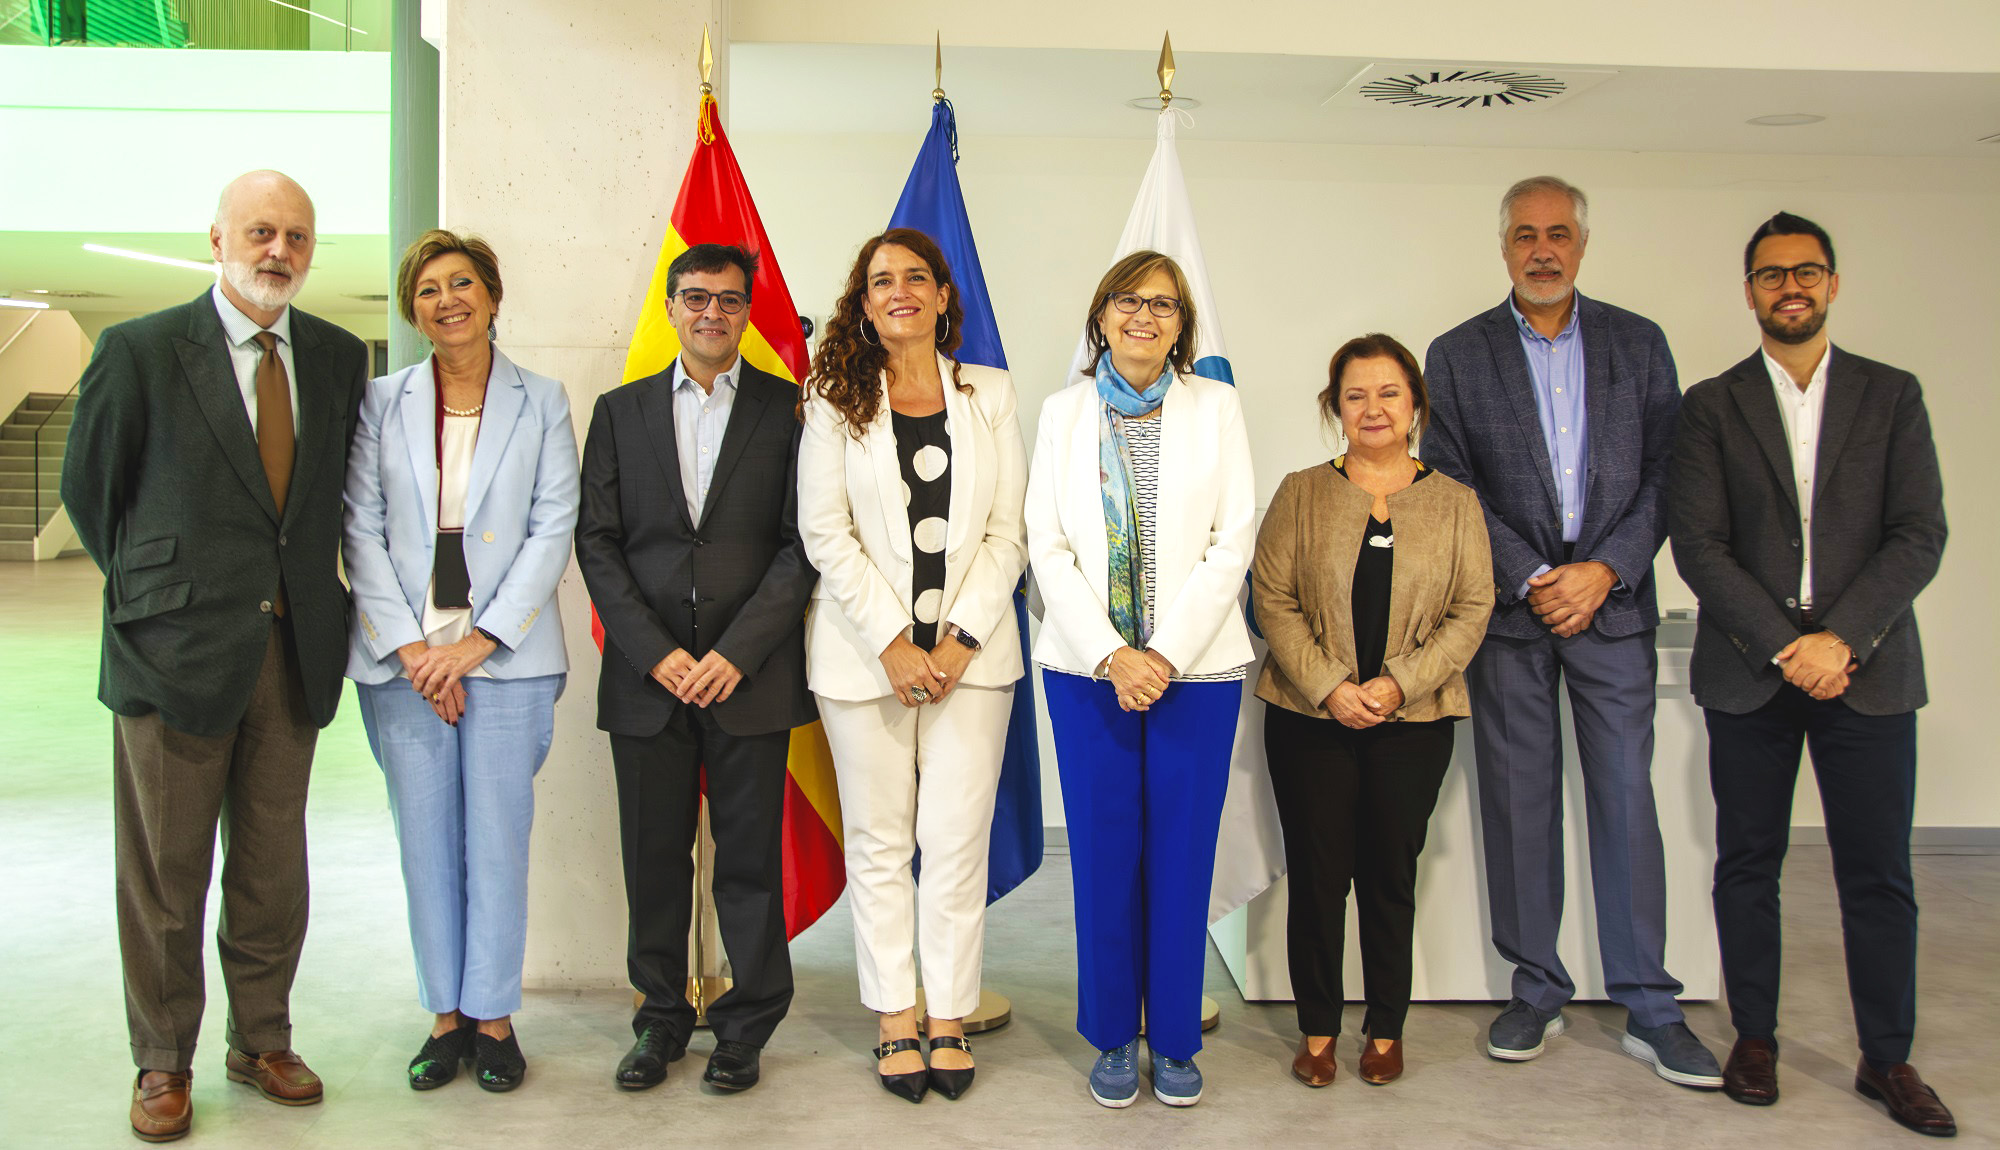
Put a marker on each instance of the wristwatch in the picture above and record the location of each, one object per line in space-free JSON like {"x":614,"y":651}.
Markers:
{"x":965,"y":638}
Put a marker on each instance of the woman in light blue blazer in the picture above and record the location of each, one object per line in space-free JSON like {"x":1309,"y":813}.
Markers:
{"x":461,"y":498}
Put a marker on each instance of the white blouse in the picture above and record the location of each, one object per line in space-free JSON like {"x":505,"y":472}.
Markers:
{"x":449,"y":625}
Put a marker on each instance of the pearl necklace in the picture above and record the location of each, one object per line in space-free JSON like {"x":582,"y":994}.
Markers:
{"x":450,"y":410}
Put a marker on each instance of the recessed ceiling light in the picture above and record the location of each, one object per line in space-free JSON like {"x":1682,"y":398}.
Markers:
{"x":38,"y":291}
{"x":36,"y":304}
{"x":1152,"y":103}
{"x":149,"y":258}
{"x":1785,"y":120}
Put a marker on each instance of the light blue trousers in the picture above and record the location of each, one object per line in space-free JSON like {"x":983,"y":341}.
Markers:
{"x":464,"y":800}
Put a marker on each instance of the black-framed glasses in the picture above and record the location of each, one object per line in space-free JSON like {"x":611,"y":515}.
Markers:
{"x":696,"y":299}
{"x":1162,"y":306}
{"x":1805,"y":275}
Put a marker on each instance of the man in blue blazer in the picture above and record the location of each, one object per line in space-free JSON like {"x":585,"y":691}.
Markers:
{"x":1559,"y":411}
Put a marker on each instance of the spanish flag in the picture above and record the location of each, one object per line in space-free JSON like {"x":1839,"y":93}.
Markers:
{"x":715,"y":207}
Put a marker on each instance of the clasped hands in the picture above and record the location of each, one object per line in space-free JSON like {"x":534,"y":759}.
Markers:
{"x":1818,"y":664}
{"x":435,"y":672}
{"x":1566,"y":598}
{"x":934,"y":673}
{"x":710,"y":679}
{"x":1138,"y":677}
{"x":1361,"y":706}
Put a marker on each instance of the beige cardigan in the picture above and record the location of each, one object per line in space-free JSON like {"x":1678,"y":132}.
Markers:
{"x":1302,"y":581}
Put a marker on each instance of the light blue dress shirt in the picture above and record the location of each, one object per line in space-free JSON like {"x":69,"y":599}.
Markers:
{"x":1557,"y":367}
{"x":700,"y":419}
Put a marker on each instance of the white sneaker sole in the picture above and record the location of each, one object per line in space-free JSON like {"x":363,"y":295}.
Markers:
{"x":1642,"y":1050}
{"x":1554,"y":1027}
{"x":1176,"y":1099}
{"x":1115,"y":1103}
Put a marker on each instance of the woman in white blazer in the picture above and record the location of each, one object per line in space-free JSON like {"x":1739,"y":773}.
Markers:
{"x":462,"y":494}
{"x":911,"y":476}
{"x":1141,"y":510}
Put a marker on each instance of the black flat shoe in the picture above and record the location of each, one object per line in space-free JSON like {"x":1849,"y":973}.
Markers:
{"x":497,"y":1062}
{"x":733,"y":1066}
{"x":645,"y":1065}
{"x":911,"y":1086}
{"x":951,"y":1083}
{"x":437,"y":1063}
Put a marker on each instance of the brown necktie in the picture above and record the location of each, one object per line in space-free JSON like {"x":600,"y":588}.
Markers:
{"x":276,"y":442}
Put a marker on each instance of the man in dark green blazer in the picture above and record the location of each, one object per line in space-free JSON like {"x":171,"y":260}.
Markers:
{"x":204,"y":474}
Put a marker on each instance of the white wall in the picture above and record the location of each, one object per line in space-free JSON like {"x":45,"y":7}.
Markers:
{"x":1309,"y":245}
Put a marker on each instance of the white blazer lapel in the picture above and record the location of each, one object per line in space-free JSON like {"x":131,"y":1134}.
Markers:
{"x":1085,"y":495}
{"x":880,"y":444}
{"x":419,"y":411}
{"x":506,"y":394}
{"x":968,"y":436}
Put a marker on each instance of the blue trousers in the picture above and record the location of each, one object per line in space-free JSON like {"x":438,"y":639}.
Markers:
{"x":1142,"y":793}
{"x":464,"y":800}
{"x":1517,"y":733}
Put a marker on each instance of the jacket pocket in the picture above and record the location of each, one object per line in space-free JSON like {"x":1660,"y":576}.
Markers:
{"x":151,"y":553}
{"x":157,"y":601}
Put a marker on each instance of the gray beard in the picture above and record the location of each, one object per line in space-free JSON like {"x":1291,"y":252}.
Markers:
{"x":243,"y":277}
{"x":1545,"y":299}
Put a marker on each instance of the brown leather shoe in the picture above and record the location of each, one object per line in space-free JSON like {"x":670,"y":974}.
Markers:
{"x":162,"y":1106}
{"x":1314,"y":1069}
{"x":1379,"y":1068}
{"x":1909,"y":1101}
{"x":279,"y":1075}
{"x":1751,"y":1076}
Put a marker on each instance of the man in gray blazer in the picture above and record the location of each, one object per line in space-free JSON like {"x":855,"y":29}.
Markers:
{"x":688,"y":539}
{"x":1807,"y":513}
{"x":203,"y":476}
{"x":1559,"y":411}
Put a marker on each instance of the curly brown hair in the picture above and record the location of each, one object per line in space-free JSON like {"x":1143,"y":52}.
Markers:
{"x":846,"y":366}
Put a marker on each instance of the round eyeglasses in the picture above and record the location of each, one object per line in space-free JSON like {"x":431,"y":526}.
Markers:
{"x":1162,"y":306}
{"x":696,"y":299}
{"x":1804,"y":275}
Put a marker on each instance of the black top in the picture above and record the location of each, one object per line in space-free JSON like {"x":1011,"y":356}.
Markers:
{"x":923,"y":447}
{"x":1373,"y":569}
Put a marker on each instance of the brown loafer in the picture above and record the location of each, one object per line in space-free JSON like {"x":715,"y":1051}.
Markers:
{"x":1314,"y":1069}
{"x":162,"y":1106}
{"x":1910,"y":1102}
{"x":1751,"y":1075}
{"x":279,"y":1075}
{"x":1380,"y":1067}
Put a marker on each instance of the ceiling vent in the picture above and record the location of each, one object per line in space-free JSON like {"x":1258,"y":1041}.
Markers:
{"x":69,"y":293}
{"x":368,"y":297}
{"x":1462,"y":87}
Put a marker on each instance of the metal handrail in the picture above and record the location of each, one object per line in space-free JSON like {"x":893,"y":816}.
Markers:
{"x":54,"y":497}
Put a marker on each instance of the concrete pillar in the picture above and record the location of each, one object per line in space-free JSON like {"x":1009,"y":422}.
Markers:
{"x":413,"y":161}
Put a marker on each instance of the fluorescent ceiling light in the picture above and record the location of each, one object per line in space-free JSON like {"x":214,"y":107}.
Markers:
{"x":1785,"y":120}
{"x":24,"y":303}
{"x":149,"y":258}
{"x":318,"y":16}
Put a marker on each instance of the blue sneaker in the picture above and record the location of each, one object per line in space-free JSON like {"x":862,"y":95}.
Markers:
{"x":1114,"y":1081}
{"x":1674,"y":1053}
{"x":1520,"y":1032}
{"x":1176,"y":1081}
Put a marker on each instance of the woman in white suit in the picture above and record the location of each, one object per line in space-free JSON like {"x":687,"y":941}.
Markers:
{"x":1141,"y":510}
{"x":461,"y":497}
{"x":911,"y":476}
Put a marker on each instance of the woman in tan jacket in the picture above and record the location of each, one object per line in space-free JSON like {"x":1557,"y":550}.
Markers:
{"x":1372,"y":585}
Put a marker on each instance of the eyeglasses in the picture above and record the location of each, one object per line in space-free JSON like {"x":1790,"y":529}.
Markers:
{"x":1805,"y":275}
{"x":696,"y":299}
{"x":1163,"y":306}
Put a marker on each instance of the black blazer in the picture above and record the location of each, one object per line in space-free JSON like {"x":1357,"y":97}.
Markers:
{"x":1877,"y":531}
{"x":645,"y":561}
{"x":1486,"y":433}
{"x":163,"y":484}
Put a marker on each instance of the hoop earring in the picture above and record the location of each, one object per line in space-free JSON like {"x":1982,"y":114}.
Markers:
{"x":946,"y":333}
{"x":865,"y":330}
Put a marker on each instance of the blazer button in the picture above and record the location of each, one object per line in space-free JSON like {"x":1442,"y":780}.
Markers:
{"x":265,"y":606}
{"x":1795,"y":543}
{"x":282,"y":541}
{"x":486,"y":538}
{"x":1791,"y":602}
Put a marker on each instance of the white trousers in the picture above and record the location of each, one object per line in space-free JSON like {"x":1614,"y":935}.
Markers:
{"x":919,"y":778}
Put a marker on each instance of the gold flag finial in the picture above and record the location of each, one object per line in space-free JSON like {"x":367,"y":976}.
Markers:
{"x":707,"y":62}
{"x":1166,"y":71}
{"x":937,"y":93}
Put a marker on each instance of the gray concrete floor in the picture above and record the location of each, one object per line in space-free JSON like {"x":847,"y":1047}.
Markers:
{"x":65,"y":1075}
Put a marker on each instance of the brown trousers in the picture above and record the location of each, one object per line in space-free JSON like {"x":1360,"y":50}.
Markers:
{"x":172,"y":790}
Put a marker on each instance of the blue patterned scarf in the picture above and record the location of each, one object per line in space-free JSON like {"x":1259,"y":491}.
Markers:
{"x":1126,"y":582}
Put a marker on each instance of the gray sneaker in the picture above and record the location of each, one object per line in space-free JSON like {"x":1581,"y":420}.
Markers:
{"x":1674,"y":1053}
{"x":1176,"y":1081}
{"x":1114,"y":1080}
{"x":1520,"y":1031}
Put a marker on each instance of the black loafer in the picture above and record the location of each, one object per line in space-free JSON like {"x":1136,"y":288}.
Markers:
{"x":437,"y":1063}
{"x":733,"y":1066}
{"x":951,"y":1083}
{"x":645,"y":1065}
{"x":497,"y":1062}
{"x":909,"y":1087}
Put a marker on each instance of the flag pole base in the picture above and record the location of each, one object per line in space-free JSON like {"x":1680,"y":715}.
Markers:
{"x":701,"y":992}
{"x":993,"y":1012}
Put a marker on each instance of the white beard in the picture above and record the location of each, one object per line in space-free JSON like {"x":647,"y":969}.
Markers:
{"x":1545,"y":297}
{"x":243,"y":277}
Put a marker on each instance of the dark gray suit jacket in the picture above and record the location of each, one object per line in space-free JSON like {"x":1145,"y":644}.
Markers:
{"x":1485,"y":433}
{"x":646,"y":562}
{"x":163,"y":483}
{"x":1877,"y":531}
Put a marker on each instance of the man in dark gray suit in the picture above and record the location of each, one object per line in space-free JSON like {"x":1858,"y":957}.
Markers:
{"x":688,"y":540}
{"x":1807,"y":514}
{"x":203,"y":476}
{"x":1559,"y":411}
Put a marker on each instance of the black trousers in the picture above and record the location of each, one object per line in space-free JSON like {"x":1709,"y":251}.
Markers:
{"x":1355,"y":807}
{"x":659,"y":788}
{"x":1866,"y":766}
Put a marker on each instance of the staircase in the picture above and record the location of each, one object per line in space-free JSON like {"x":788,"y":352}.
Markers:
{"x":21,"y":474}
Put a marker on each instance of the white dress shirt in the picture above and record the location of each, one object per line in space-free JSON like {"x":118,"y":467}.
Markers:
{"x":700,"y":420}
{"x":1801,"y":411}
{"x":245,"y":352}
